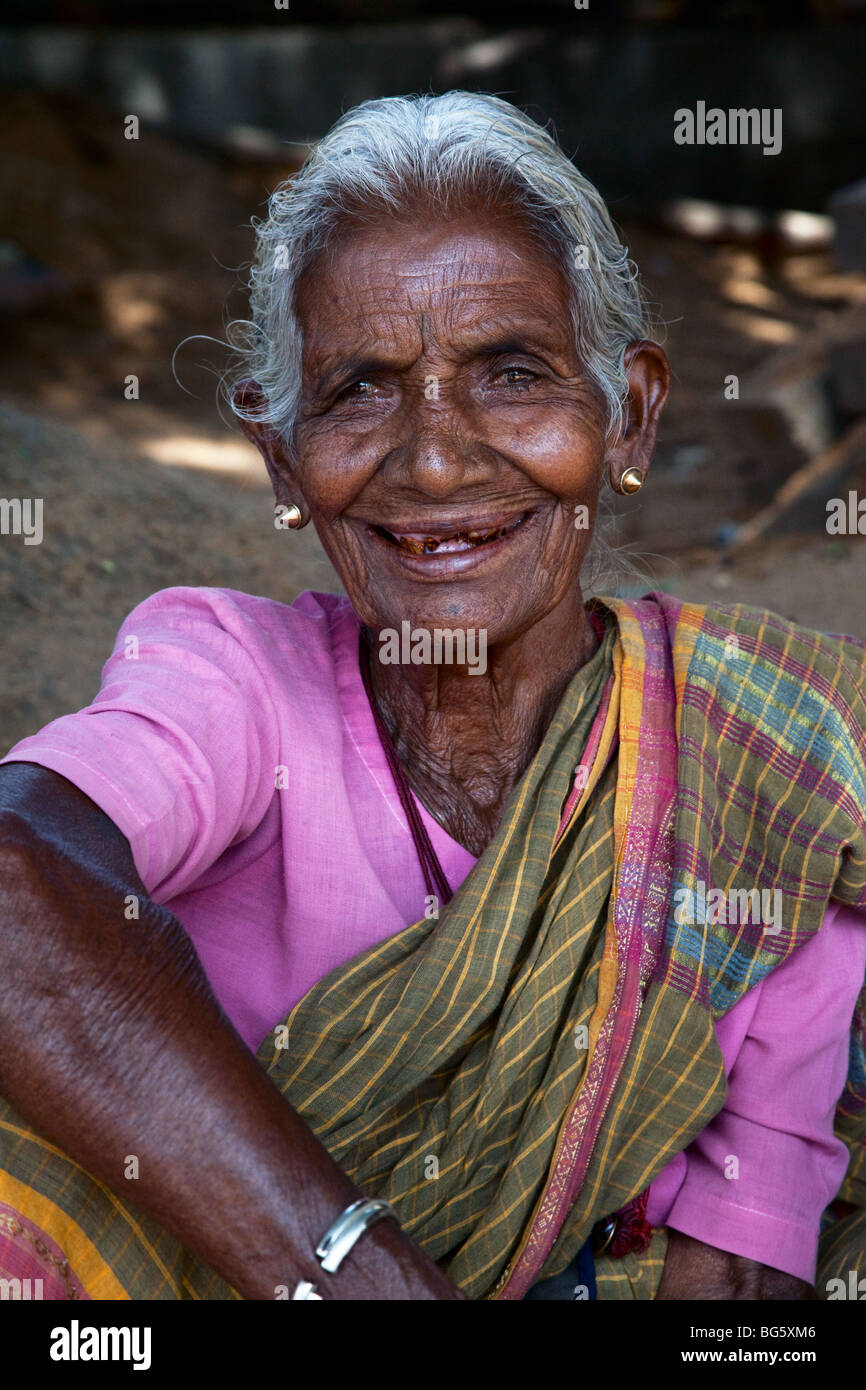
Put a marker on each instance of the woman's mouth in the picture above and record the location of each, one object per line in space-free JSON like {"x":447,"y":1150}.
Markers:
{"x":451,"y":540}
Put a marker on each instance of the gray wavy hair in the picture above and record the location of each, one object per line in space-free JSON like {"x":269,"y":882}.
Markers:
{"x":385,"y":155}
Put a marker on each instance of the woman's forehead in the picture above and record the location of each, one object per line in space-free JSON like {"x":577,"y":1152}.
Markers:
{"x":486,"y":245}
{"x":444,"y":277}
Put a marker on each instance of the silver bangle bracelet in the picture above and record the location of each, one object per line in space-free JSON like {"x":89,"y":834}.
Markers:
{"x":306,"y":1290}
{"x":338,"y":1240}
{"x":348,"y":1228}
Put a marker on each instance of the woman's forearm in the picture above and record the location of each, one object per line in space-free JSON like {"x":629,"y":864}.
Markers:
{"x":695,"y":1270}
{"x":112,"y":1044}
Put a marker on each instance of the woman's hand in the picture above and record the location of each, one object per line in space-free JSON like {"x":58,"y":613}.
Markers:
{"x":112,"y":1043}
{"x":693,"y":1270}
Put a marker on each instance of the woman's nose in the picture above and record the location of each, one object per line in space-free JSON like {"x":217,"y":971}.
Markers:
{"x":440,"y":455}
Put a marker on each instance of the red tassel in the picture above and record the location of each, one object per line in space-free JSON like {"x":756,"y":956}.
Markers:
{"x":633,"y":1231}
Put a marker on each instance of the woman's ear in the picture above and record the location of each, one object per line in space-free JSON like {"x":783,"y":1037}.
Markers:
{"x":649,"y":381}
{"x":247,"y":397}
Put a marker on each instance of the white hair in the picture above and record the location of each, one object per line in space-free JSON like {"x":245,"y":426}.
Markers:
{"x":449,"y":150}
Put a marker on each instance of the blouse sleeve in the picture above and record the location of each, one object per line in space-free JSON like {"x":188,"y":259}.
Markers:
{"x":179,"y":747}
{"x":756,"y":1180}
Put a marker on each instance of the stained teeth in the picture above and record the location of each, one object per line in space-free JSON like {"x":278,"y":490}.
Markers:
{"x":462,"y":540}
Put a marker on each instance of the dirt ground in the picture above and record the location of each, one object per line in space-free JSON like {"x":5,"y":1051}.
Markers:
{"x":131,"y":247}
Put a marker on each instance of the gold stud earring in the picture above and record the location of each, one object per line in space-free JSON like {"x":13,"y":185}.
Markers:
{"x":288,"y":516}
{"x":631,"y":481}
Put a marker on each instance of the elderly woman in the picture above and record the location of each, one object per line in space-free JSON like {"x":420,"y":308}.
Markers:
{"x":544,"y":916}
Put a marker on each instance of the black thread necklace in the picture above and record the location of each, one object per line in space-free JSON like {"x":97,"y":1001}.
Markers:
{"x":434,"y":875}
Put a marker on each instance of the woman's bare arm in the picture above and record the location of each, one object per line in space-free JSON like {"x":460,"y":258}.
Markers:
{"x":112,"y":1043}
{"x":694,"y":1270}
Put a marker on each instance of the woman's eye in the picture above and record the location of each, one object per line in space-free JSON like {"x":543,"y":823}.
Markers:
{"x":517,"y":376}
{"x":361,"y":390}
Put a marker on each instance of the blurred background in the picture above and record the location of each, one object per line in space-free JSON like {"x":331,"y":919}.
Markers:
{"x":114,"y":251}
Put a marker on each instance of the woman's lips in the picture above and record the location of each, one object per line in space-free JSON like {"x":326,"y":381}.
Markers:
{"x":452,"y":540}
{"x":455,"y":549}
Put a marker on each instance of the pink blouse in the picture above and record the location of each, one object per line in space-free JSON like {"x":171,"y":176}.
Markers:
{"x":233,"y":744}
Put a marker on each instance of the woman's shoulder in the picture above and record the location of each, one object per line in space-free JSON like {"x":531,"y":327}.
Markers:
{"x":312,"y":621}
{"x":714,"y":633}
{"x":772,"y":636}
{"x":775,"y":654}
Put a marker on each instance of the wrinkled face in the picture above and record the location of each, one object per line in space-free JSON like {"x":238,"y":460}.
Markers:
{"x":446,"y":433}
